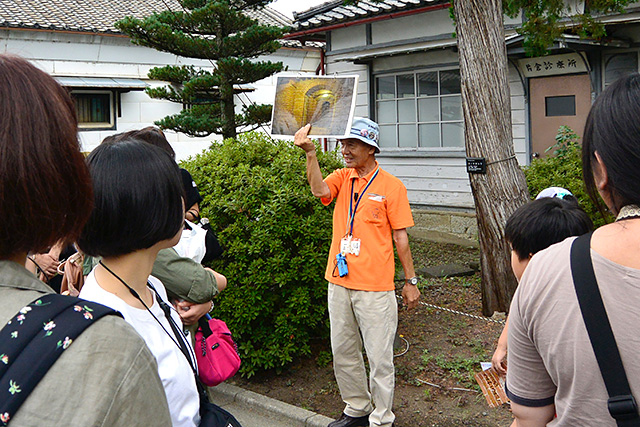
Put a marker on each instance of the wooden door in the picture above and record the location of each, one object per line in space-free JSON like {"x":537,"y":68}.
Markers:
{"x":554,"y":102}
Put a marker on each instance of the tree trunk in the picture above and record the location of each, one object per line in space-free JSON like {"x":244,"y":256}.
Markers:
{"x":487,"y":118}
{"x":228,"y":110}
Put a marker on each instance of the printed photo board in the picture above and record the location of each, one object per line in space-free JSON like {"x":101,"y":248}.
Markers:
{"x":327,"y":102}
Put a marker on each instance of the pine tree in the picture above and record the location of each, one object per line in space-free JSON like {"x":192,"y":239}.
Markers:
{"x":215,"y":30}
{"x":545,"y":20}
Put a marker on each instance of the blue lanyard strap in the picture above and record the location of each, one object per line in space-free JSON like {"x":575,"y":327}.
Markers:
{"x":352,"y":209}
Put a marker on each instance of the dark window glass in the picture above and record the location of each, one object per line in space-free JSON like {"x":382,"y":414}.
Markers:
{"x":428,"y":84}
{"x":386,"y":87}
{"x":449,"y":82}
{"x":560,"y":105}
{"x":93,"y":107}
{"x":405,"y":86}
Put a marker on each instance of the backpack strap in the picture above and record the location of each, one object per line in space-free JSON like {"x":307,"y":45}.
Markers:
{"x":622,"y":405}
{"x":32,"y":341}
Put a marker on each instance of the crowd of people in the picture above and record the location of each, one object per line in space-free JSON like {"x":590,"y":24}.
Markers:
{"x":131,"y":214}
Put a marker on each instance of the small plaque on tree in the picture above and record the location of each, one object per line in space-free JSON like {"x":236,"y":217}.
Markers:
{"x":476,"y":165}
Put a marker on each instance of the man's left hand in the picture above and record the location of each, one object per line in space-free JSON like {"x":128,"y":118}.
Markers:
{"x":410,"y":296}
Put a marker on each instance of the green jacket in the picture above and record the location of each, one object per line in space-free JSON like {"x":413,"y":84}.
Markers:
{"x":184,"y":278}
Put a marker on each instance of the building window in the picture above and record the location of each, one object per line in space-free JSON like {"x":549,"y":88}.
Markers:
{"x":95,"y":109}
{"x":560,"y":105}
{"x":619,"y":65}
{"x":420,"y":110}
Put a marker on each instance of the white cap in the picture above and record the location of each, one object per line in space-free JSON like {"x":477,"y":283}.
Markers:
{"x":558,"y":192}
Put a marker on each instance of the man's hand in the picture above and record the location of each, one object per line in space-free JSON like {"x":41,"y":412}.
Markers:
{"x":190,"y":312}
{"x":497,"y":361}
{"x":410,"y":296}
{"x":500,"y":355}
{"x":47,"y":263}
{"x":302,"y":140}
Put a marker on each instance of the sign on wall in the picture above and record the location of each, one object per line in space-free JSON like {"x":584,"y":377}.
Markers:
{"x":554,"y":65}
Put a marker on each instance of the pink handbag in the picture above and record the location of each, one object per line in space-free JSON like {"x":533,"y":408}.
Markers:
{"x":216,"y":353}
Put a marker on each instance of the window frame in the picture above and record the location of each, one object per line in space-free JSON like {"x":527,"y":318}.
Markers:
{"x":91,"y":126}
{"x":416,"y":102}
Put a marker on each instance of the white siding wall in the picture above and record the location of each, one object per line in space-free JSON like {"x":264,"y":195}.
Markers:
{"x":413,"y":26}
{"x":433,"y":179}
{"x":80,"y":55}
{"x":348,"y":37}
{"x":519,"y":112}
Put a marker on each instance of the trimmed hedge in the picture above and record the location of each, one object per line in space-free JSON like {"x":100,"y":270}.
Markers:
{"x":276,"y":237}
{"x":563,"y":169}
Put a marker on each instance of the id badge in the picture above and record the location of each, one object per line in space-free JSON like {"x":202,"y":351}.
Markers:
{"x":345,"y":245}
{"x":355,"y":246}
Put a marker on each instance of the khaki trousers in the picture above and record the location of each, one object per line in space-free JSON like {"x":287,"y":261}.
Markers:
{"x":371,"y":318}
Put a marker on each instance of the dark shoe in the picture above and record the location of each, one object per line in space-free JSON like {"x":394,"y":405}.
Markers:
{"x":347,"y":421}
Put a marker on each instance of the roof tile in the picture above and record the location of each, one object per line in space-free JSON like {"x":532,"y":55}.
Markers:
{"x":98,"y":16}
{"x":336,"y":11}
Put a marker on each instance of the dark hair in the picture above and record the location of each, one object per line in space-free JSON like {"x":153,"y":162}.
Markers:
{"x":45,"y":189}
{"x":613,"y":130}
{"x":150,"y":134}
{"x":541,"y":223}
{"x":138,"y":198}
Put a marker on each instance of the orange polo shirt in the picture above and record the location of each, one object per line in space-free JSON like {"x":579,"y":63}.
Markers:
{"x":384,"y":208}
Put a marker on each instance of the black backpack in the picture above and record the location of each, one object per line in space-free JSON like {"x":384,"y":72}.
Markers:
{"x":32,"y":341}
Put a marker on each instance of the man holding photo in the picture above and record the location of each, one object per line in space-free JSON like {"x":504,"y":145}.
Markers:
{"x":371,"y":213}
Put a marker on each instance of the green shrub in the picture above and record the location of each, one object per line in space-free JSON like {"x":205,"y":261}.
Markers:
{"x":563,"y":169}
{"x":276,"y":237}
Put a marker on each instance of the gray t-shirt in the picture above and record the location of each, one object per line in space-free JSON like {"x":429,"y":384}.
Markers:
{"x":550,"y":356}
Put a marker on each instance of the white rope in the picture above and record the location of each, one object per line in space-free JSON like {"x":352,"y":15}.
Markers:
{"x":448,"y":310}
{"x":487,"y":319}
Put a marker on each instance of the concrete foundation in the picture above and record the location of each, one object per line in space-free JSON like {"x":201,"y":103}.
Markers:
{"x":444,"y":226}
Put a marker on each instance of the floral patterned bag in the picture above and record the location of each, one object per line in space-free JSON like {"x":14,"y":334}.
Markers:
{"x":32,"y":341}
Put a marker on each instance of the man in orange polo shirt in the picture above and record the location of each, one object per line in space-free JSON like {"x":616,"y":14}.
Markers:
{"x":372,"y":211}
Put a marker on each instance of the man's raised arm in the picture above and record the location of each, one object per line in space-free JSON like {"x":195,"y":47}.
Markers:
{"x":319,"y":188}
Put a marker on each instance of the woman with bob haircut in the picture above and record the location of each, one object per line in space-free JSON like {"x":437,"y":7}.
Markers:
{"x":46,"y":196}
{"x":138,"y":211}
{"x":193,"y":297}
{"x":552,"y":365}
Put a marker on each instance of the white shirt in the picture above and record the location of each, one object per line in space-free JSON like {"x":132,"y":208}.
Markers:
{"x":173,"y":368}
{"x":192,"y":242}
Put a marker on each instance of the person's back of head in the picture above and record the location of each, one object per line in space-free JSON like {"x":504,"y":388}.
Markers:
{"x":541,"y":223}
{"x":45,"y":187}
{"x":612,"y":131}
{"x":151,"y":135}
{"x":138,"y":198}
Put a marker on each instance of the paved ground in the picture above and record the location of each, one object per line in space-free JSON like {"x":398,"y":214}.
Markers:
{"x":255,"y":410}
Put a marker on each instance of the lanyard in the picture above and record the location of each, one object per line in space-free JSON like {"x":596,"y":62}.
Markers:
{"x":352,"y":209}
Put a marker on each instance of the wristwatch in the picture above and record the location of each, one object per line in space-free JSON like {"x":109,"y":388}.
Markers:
{"x":413,"y":281}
